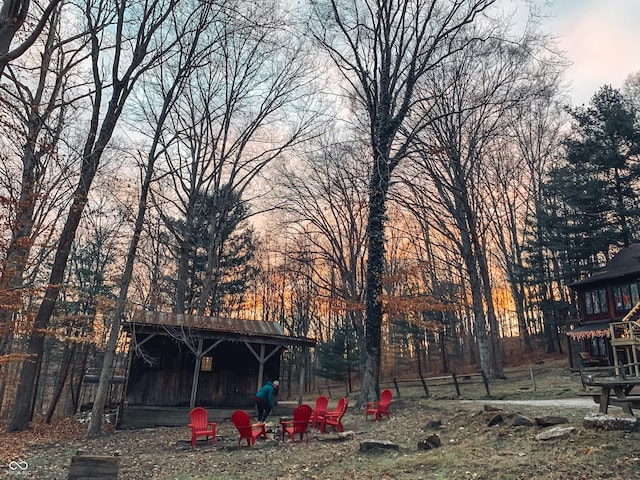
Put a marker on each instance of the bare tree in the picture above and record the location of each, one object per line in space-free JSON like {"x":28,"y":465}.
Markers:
{"x":516,"y":172}
{"x":249,"y":105}
{"x":325,"y":206}
{"x":192,"y":46}
{"x":38,"y":105}
{"x":13,"y":14}
{"x":475,"y":92}
{"x":383,"y":50}
{"x":134,"y":44}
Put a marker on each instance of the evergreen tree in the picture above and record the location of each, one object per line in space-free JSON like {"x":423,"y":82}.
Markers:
{"x":590,"y":207}
{"x":601,"y":175}
{"x":339,"y":355}
{"x":220,"y":252}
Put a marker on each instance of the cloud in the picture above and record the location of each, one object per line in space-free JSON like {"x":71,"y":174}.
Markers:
{"x":600,"y":40}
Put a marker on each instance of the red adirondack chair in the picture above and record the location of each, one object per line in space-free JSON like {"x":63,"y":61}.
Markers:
{"x":201,"y":426}
{"x":299,"y":424}
{"x":334,"y":417}
{"x":321,"y":407}
{"x":246,"y":429}
{"x":379,"y":408}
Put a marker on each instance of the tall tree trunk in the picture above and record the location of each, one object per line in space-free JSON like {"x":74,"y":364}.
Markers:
{"x":24,"y":397}
{"x":494,"y":327}
{"x":92,"y":155}
{"x":19,"y":249}
{"x":65,"y":364}
{"x":375,"y":270}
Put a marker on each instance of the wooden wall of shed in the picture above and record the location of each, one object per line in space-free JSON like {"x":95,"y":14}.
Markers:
{"x":167,"y":380}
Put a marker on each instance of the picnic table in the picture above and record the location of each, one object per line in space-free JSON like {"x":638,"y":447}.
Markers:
{"x":621,"y":387}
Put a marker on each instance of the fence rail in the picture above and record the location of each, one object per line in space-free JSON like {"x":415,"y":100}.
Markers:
{"x":451,"y":383}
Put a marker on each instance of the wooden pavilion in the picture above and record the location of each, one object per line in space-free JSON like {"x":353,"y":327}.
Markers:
{"x":180,"y":361}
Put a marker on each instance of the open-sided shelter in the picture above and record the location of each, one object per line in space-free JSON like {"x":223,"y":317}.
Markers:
{"x":181,"y":361}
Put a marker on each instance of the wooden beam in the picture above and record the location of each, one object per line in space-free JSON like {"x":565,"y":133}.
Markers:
{"x":261,"y":361}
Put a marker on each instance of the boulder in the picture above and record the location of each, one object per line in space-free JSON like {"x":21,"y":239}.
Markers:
{"x":491,"y":408}
{"x":555,"y":432}
{"x":603,"y":421}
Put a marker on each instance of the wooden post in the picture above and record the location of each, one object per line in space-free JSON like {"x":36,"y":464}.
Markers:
{"x":301,"y":378}
{"x":260,"y":367}
{"x":424,"y":385}
{"x":395,"y":382}
{"x":455,"y":383}
{"x":533,"y":378}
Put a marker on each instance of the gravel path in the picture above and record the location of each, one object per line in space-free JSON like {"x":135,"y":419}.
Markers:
{"x":585,"y":403}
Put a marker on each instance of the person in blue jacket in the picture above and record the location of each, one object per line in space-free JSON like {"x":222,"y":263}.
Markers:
{"x":265,"y":401}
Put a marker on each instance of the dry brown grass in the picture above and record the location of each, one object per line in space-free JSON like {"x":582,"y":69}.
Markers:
{"x":470,"y":449}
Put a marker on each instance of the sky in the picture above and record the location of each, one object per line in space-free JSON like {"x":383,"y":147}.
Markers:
{"x":601,"y":38}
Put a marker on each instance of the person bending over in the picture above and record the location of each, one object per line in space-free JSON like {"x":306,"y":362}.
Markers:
{"x":265,"y":401}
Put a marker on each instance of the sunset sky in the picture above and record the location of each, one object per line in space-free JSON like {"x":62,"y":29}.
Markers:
{"x":600,"y":37}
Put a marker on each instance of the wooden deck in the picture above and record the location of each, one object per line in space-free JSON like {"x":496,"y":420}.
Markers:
{"x":140,"y":416}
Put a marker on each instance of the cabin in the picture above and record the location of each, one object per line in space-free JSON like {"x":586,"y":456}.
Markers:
{"x":177,"y":362}
{"x":606,"y":332}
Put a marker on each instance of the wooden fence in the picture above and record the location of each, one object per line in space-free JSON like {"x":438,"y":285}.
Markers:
{"x":451,"y":384}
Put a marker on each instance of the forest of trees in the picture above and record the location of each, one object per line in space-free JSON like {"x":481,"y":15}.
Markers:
{"x":407,"y":182}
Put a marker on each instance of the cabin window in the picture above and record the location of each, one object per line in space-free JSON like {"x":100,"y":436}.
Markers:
{"x":598,"y":347}
{"x":207,"y":364}
{"x":596,"y":301}
{"x":635,"y":297}
{"x":625,"y":296}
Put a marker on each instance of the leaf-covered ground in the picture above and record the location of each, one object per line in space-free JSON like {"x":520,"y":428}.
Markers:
{"x":470,"y":449}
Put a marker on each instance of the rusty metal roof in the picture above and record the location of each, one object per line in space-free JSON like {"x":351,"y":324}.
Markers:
{"x":252,"y":328}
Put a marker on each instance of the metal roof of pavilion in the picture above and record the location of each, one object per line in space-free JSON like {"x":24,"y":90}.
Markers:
{"x":218,"y":327}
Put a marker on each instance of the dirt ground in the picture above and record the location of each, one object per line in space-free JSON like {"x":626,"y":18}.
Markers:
{"x":470,"y":448}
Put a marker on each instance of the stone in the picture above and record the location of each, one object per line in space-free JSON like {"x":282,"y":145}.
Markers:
{"x":491,"y":408}
{"x":336,"y":437}
{"x":522,"y":422}
{"x":555,"y":432}
{"x":496,"y":420}
{"x":429,"y":443}
{"x":368,"y":445}
{"x":603,"y":421}
{"x":550,"y":421}
{"x":433,"y":424}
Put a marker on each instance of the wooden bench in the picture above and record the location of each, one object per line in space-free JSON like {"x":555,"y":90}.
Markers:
{"x":589,"y":361}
